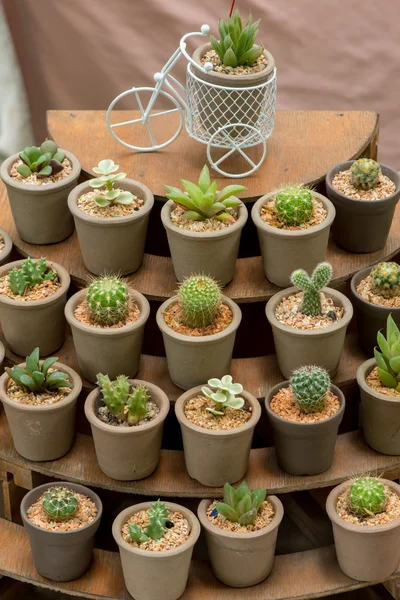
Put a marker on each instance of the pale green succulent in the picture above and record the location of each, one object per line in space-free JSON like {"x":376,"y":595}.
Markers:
{"x":237,"y":43}
{"x":241,"y":505}
{"x":105,"y":169}
{"x":224,"y":395}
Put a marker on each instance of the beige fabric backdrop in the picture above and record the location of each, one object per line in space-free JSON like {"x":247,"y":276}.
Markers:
{"x":331,"y":54}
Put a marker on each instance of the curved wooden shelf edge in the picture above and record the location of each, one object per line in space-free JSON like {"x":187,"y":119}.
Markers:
{"x":320,"y":574}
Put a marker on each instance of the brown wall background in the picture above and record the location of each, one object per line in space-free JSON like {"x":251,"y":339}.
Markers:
{"x":331,"y":54}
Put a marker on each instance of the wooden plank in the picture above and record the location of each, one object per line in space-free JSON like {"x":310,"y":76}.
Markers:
{"x":319,"y":575}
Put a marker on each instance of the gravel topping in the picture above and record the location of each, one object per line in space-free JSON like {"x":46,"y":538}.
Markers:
{"x":269,"y":214}
{"x":264,"y":517}
{"x":174,"y":537}
{"x":212,"y":224}
{"x":104,"y":415}
{"x":195,"y":411}
{"x":212,"y":57}
{"x":85,"y":514}
{"x":284,"y":405}
{"x":367,"y":290}
{"x":372,"y":379}
{"x":87,"y":205}
{"x":391,"y":513}
{"x":35,"y":180}
{"x":173,"y":318}
{"x":38,"y":292}
{"x":342,"y":183}
{"x":2,"y":244}
{"x":15,"y":392}
{"x":82,"y":314}
{"x":288,"y":312}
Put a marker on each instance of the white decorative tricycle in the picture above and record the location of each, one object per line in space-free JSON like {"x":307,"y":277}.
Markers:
{"x":231,"y":118}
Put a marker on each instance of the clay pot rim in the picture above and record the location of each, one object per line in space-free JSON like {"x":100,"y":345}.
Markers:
{"x":63,"y":276}
{"x":2,"y":352}
{"x":40,"y":190}
{"x":334,"y":517}
{"x":284,"y":384}
{"x":355,"y":280}
{"x":245,"y":536}
{"x":344,"y":166}
{"x":78,"y":297}
{"x":141,"y":190}
{"x":159,"y":396}
{"x":323,"y":332}
{"x":222,"y":433}
{"x":69,"y":399}
{"x":202,"y":235}
{"x":124,"y":515}
{"x":365,"y":369}
{"x":81,"y":489}
{"x":8,"y":244}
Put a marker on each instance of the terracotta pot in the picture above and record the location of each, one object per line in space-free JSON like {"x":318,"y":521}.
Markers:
{"x":193,"y":360}
{"x":298,"y":347}
{"x":35,"y":322}
{"x":304,"y":448}
{"x":61,"y":555}
{"x":362,"y":225}
{"x":284,"y":251}
{"x":365,"y":553}
{"x":241,"y":559}
{"x":2,"y":354}
{"x":213,"y":252}
{"x":370,"y":317}
{"x":41,"y":212}
{"x":102,"y":350}
{"x":380,"y":414}
{"x":5,"y":253}
{"x":128,"y":453}
{"x":45,"y":432}
{"x":215,"y":457}
{"x":154,"y":575}
{"x":114,"y":244}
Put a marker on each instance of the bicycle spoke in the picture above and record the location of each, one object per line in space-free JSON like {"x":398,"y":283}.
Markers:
{"x":149,"y":129}
{"x":220,"y":160}
{"x":140,"y":120}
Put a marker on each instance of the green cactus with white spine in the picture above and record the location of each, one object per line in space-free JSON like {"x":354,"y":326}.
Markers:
{"x":365,"y":173}
{"x":155,"y":530}
{"x":199,"y":299}
{"x":294,"y":205}
{"x":367,"y":496}
{"x":310,"y":386}
{"x":108,"y":301}
{"x":311,"y":287}
{"x":59,"y":503}
{"x":125,"y":402}
{"x":31,"y":272}
{"x":386,"y":279}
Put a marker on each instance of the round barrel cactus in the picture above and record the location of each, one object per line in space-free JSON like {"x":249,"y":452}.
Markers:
{"x":310,"y":386}
{"x":60,"y":503}
{"x":367,"y":496}
{"x":364,"y":173}
{"x":294,"y":205}
{"x":108,"y":301}
{"x":386,"y":278}
{"x":199,"y":298}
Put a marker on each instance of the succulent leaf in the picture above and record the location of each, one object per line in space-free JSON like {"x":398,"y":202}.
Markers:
{"x":224,"y":396}
{"x":36,"y":377}
{"x":241,"y":505}
{"x":236,"y":44}
{"x":106,"y":169}
{"x":41,"y":160}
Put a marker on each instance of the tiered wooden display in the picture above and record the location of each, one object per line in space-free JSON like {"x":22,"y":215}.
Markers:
{"x":302,"y":148}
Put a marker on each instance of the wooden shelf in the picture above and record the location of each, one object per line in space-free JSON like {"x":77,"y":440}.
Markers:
{"x":301,"y":575}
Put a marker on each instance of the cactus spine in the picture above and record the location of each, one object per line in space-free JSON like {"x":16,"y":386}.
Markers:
{"x":311,"y":287}
{"x":60,"y":503}
{"x":199,"y":299}
{"x":367,"y":496}
{"x":386,"y":278}
{"x":294,"y":205}
{"x":309,"y":386}
{"x":365,"y":173}
{"x":108,"y":301}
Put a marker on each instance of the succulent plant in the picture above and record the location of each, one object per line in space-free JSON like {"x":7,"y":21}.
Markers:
{"x":105,"y":169}
{"x":44,"y":161}
{"x":312,"y":286}
{"x":241,"y":505}
{"x":199,"y":300}
{"x":294,"y":205}
{"x":108,"y":301}
{"x":223,"y":394}
{"x":364,"y":173}
{"x":59,"y":503}
{"x":237,"y":43}
{"x":203,"y":201}
{"x":309,"y":386}
{"x":158,"y":518}
{"x":388,"y":358}
{"x":386,"y":278}
{"x":36,"y":377}
{"x":31,"y":272}
{"x":124,"y":401}
{"x":367,"y":496}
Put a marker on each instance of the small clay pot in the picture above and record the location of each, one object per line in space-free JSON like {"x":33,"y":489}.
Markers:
{"x":5,"y":253}
{"x":283,"y":251}
{"x":370,"y":317}
{"x":362,"y":225}
{"x":27,"y":324}
{"x":2,"y":354}
{"x":365,"y":553}
{"x":112,"y":244}
{"x":211,"y":252}
{"x":43,"y":432}
{"x":128,"y":453}
{"x":61,"y":555}
{"x":296,"y":347}
{"x":154,"y":575}
{"x":304,"y":448}
{"x":380,"y":414}
{"x":192,"y":360}
{"x":215,"y":457}
{"x":41,"y":212}
{"x":107,"y":350}
{"x":241,"y":559}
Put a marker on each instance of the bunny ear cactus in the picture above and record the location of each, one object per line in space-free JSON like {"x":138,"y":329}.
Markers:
{"x":203,"y":201}
{"x":365,"y":173}
{"x":312,"y":286}
{"x":44,"y":161}
{"x":309,"y":386}
{"x":36,"y":377}
{"x":294,"y":205}
{"x":388,"y":355}
{"x":108,"y":301}
{"x":155,"y":530}
{"x":60,"y":503}
{"x":241,"y":505}
{"x":123,"y":401}
{"x":367,"y":497}
{"x":30,"y":273}
{"x":237,"y":43}
{"x":223,"y":394}
{"x":105,"y":169}
{"x":199,"y":299}
{"x":386,"y":279}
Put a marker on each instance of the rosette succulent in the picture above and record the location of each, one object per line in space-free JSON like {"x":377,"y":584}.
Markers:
{"x":241,"y":505}
{"x":388,"y":356}
{"x":45,"y":160}
{"x":237,"y":43}
{"x":224,"y":394}
{"x":108,"y":177}
{"x":36,"y":377}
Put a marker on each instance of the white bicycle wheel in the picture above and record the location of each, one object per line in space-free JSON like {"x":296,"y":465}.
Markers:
{"x":236,"y":144}
{"x":134,"y":133}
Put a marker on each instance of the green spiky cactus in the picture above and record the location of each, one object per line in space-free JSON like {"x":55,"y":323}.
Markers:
{"x":108,"y":301}
{"x":364,"y":173}
{"x":309,"y":386}
{"x":31,"y":272}
{"x":294,"y":205}
{"x":137,"y":404}
{"x":312,"y":286}
{"x":386,"y":278}
{"x":123,"y":401}
{"x":60,"y":503}
{"x":367,"y":496}
{"x":158,"y":517}
{"x":199,"y":299}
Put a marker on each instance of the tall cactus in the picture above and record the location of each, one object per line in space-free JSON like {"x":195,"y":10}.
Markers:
{"x":312,"y":286}
{"x":108,"y":301}
{"x":199,"y":299}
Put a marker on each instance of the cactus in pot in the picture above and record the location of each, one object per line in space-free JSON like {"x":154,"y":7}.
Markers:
{"x":108,"y":301}
{"x":158,"y":519}
{"x":310,"y":385}
{"x":124,"y":401}
{"x":60,"y":503}
{"x":199,"y":298}
{"x":294,"y":205}
{"x":31,"y":272}
{"x":386,"y":279}
{"x":311,"y":287}
{"x":365,"y":173}
{"x":367,"y":496}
